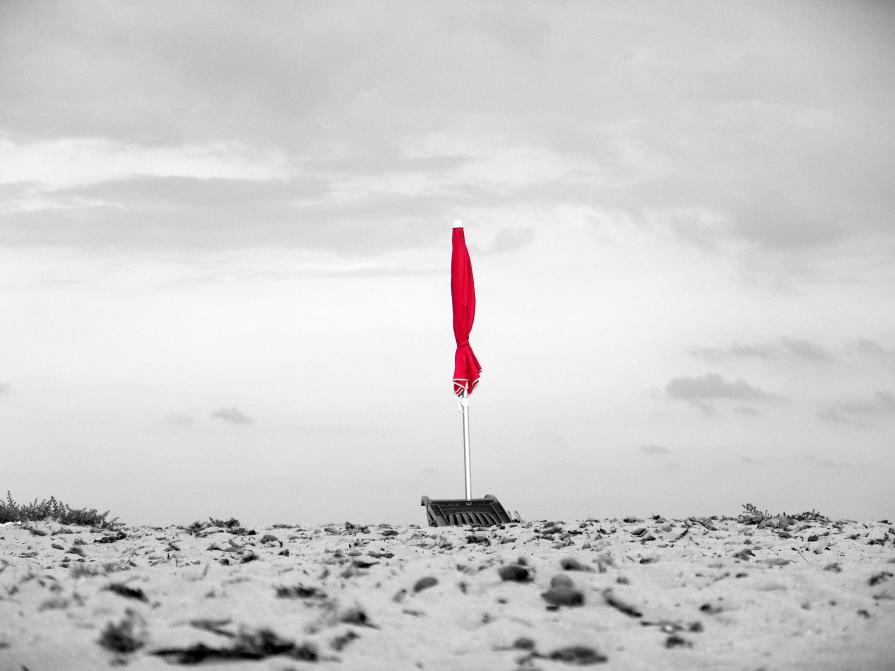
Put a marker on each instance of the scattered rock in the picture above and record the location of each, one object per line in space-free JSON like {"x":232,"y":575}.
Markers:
{"x":425,"y":583}
{"x":112,"y":538}
{"x":560,"y":580}
{"x":578,"y":655}
{"x":300,"y":592}
{"x":776,"y":561}
{"x":127,"y":635}
{"x":572,"y":564}
{"x":515,"y":573}
{"x":710,"y":608}
{"x":357,"y":616}
{"x":677,"y":641}
{"x":878,"y":578}
{"x":339,"y":642}
{"x":564,"y":596}
{"x":127,"y":592}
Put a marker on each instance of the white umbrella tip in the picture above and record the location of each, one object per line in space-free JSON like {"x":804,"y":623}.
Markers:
{"x":458,"y":223}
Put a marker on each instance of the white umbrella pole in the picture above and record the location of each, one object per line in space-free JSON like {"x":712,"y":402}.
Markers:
{"x":464,"y":408}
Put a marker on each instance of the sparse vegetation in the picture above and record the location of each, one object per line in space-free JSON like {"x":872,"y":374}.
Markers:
{"x":56,"y":510}
{"x":232,"y":525}
{"x":752,"y":514}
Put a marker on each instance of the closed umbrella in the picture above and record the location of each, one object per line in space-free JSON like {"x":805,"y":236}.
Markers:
{"x":486,"y":511}
{"x":466,"y":366}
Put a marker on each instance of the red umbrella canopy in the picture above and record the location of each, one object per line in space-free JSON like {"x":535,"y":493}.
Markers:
{"x":466,"y":366}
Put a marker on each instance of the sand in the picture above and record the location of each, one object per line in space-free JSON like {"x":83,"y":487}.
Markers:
{"x":703,"y":593}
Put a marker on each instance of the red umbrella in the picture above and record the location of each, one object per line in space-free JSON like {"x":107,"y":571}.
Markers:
{"x":486,"y":511}
{"x":466,"y":366}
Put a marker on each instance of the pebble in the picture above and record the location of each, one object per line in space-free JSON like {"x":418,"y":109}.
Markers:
{"x":564,"y":596}
{"x":560,"y":580}
{"x":425,"y":583}
{"x":514,"y":573}
{"x":572,"y":564}
{"x":578,"y":655}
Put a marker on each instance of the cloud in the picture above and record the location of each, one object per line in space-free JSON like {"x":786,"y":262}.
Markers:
{"x":734,"y":351}
{"x":232,"y":415}
{"x":827,"y":463}
{"x":654,"y":449}
{"x":4,"y":389}
{"x":720,"y":138}
{"x":179,"y":419}
{"x":747,"y":410}
{"x":699,"y":391}
{"x":66,"y":162}
{"x":808,"y":351}
{"x":784,"y":348}
{"x":510,"y":239}
{"x":880,"y":405}
{"x":876,"y":351}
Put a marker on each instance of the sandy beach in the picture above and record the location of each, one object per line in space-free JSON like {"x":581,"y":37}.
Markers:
{"x":707,"y":593}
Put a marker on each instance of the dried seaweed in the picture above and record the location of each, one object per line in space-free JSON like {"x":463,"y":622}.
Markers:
{"x":255,"y":645}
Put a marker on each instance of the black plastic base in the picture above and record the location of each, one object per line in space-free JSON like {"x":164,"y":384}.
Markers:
{"x":486,"y":512}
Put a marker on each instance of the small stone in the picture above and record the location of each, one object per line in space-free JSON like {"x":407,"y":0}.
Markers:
{"x":710,"y":608}
{"x":564,"y":596}
{"x":425,"y":583}
{"x":776,"y":561}
{"x":514,"y":573}
{"x":560,"y":580}
{"x":676,"y":641}
{"x":578,"y":655}
{"x":524,"y":643}
{"x":572,"y":564}
{"x":878,"y":578}
{"x":127,"y":635}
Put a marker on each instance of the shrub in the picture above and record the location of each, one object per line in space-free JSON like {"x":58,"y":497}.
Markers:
{"x":54,"y":509}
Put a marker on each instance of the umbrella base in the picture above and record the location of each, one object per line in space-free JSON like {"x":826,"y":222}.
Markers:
{"x":486,"y":512}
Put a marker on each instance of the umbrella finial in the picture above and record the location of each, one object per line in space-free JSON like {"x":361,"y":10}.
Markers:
{"x":458,"y":223}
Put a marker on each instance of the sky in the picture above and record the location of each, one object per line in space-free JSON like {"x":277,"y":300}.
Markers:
{"x":225,"y":256}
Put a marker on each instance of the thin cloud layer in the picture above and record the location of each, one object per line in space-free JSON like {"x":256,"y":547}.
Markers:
{"x":179,"y":419}
{"x":877,"y":352}
{"x":231,"y":415}
{"x":654,"y":449}
{"x":762,"y":124}
{"x":702,"y":391}
{"x":784,"y":348}
{"x":881,"y":405}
